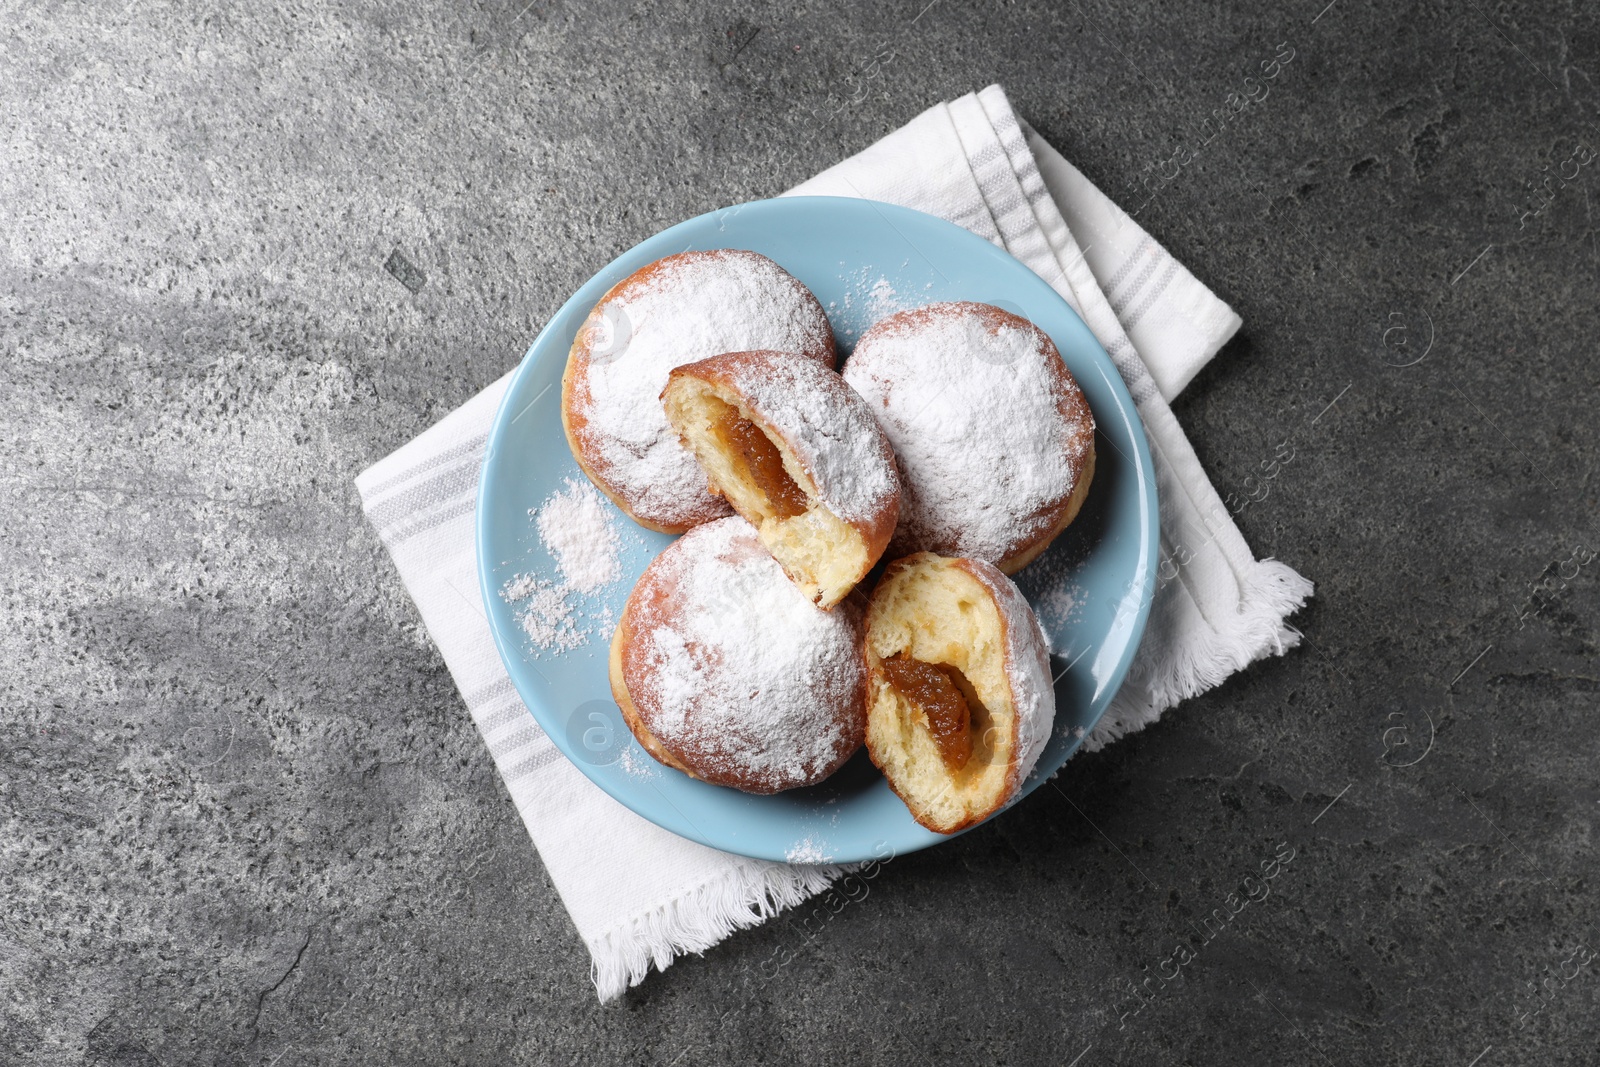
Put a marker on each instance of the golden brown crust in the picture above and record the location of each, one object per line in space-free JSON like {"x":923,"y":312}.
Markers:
{"x":1080,"y":492}
{"x":630,"y":713}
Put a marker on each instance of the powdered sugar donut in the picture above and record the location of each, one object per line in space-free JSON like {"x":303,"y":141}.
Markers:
{"x":674,"y":311}
{"x":725,"y":670}
{"x":994,"y":437}
{"x":798,"y":455}
{"x":960,"y":700}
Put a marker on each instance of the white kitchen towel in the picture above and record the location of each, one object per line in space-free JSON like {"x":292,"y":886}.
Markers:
{"x":638,"y":894}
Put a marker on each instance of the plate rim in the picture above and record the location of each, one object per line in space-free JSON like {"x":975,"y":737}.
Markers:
{"x":510,"y":652}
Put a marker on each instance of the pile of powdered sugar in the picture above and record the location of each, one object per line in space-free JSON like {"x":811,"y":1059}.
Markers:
{"x":745,"y":677}
{"x":973,"y":413}
{"x":711,"y":303}
{"x":575,"y":527}
{"x":808,"y":851}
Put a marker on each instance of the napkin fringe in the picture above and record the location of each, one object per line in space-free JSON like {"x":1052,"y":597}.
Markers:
{"x":1270,"y":591}
{"x":695,"y":921}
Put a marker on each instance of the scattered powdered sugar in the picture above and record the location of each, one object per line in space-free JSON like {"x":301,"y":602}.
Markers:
{"x":545,"y":613}
{"x":575,"y":526}
{"x":1056,"y":598}
{"x":882,"y":300}
{"x":523,"y":585}
{"x":576,"y":529}
{"x":1078,"y":732}
{"x":808,"y":851}
{"x":972,"y":408}
{"x":1053,"y":585}
{"x":735,"y":671}
{"x":702,"y":305}
{"x":637,"y":765}
{"x":829,"y":427}
{"x":867,"y":298}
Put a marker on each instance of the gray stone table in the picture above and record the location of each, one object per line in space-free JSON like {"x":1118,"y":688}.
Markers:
{"x":244,"y":817}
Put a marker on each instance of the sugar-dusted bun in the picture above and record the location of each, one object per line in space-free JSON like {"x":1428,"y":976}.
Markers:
{"x":674,"y":311}
{"x":726,"y":671}
{"x":994,"y":437}
{"x":960,"y":702}
{"x":798,"y":455}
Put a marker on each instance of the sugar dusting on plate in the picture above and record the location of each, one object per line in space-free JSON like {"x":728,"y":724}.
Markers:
{"x":1056,"y":605}
{"x":637,"y":764}
{"x":808,"y":851}
{"x":545,"y":613}
{"x":575,"y":527}
{"x":866,"y":300}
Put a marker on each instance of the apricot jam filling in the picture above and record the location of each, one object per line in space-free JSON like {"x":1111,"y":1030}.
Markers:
{"x":763,"y":463}
{"x":940,"y":692}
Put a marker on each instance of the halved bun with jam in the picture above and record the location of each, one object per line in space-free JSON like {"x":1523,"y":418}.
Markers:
{"x":799,"y":455}
{"x":959,"y":696}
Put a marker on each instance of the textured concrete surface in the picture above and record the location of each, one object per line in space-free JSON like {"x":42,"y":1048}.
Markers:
{"x":244,"y":818}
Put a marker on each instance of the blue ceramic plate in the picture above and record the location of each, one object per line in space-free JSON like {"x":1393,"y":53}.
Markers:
{"x":864,"y":261}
